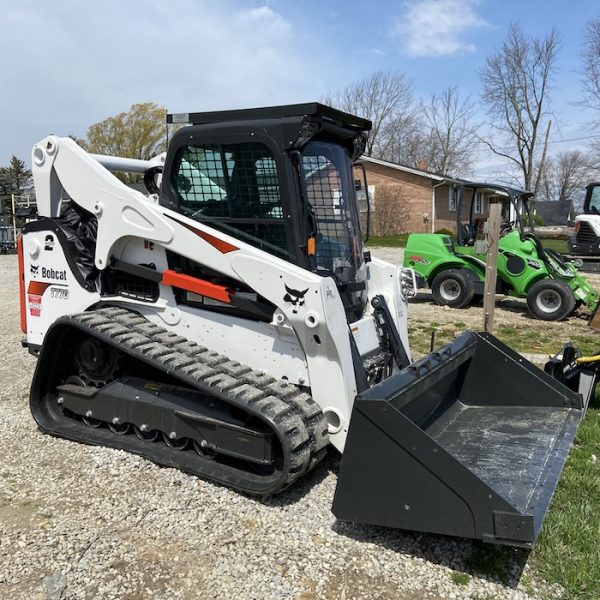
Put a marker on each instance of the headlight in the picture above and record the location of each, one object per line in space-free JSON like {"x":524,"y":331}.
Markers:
{"x":408,"y":282}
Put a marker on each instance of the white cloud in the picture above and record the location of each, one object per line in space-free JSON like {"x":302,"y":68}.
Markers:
{"x":438,"y":27}
{"x":373,"y":51}
{"x":68,"y":64}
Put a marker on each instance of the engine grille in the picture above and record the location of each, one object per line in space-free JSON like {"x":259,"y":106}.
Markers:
{"x":130,"y":286}
{"x":585,"y":234}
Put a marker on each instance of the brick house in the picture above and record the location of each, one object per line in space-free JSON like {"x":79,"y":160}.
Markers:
{"x":416,"y":201}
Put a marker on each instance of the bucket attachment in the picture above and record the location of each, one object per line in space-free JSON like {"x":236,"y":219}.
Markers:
{"x":470,"y":441}
{"x":594,"y":321}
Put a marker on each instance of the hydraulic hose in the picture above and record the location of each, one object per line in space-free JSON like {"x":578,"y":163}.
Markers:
{"x":588,"y":359}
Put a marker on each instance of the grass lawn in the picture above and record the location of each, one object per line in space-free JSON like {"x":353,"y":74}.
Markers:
{"x":392,"y":241}
{"x":558,"y":245}
{"x":568,"y":549}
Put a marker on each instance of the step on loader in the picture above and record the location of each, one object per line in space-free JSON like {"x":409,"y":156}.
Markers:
{"x":229,"y":323}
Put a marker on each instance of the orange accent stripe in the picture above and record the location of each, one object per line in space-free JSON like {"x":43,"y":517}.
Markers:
{"x":197,"y":286}
{"x":219,"y":244}
{"x":23,"y":305}
{"x":38,"y":287}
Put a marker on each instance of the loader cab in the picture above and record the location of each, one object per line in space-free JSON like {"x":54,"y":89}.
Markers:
{"x":516,"y":211}
{"x":585,"y":241}
{"x":277,"y":178}
{"x":591,"y":204}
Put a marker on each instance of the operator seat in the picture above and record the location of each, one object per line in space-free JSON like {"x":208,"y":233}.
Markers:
{"x":468,"y":234}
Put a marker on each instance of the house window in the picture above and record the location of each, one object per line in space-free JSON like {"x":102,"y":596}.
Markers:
{"x":478,"y":204}
{"x":452,"y":196}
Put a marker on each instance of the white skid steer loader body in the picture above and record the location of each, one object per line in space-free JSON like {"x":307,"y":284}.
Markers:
{"x":161,"y":335}
{"x":307,"y":345}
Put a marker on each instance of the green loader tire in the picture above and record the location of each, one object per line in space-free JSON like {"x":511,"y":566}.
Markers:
{"x":550,"y":300}
{"x":453,"y":287}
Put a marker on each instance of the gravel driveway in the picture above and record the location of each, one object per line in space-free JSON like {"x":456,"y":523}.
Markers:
{"x":84,"y":522}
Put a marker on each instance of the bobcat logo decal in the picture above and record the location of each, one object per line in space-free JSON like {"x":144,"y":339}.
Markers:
{"x":294,"y":297}
{"x":34,"y":269}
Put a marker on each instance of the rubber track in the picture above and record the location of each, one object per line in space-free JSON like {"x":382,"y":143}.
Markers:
{"x":291,"y":409}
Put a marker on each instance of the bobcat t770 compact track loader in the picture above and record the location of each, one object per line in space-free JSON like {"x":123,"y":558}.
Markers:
{"x":230,"y":324}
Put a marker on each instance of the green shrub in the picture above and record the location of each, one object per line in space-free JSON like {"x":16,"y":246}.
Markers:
{"x":444,"y":231}
{"x":537,"y":220}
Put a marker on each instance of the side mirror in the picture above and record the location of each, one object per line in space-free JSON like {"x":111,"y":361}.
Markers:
{"x":153,"y":179}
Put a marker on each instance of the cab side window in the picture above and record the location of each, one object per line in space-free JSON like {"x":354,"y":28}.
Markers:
{"x":233,"y":188}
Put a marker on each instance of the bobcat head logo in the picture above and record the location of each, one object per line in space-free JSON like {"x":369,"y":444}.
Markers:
{"x":294,"y":297}
{"x":34,"y":269}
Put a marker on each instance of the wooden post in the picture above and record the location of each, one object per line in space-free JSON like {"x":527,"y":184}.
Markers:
{"x":491,"y":267}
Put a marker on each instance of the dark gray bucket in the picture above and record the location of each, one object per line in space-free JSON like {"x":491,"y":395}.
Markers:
{"x":470,"y":442}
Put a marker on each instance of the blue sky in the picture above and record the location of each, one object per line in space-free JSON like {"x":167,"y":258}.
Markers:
{"x":67,"y":64}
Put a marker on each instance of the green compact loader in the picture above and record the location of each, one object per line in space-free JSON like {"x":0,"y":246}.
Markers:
{"x":455,"y":271}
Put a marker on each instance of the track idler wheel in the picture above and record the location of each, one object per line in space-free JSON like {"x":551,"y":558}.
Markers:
{"x":145,"y":434}
{"x":175,"y":443}
{"x":91,"y":422}
{"x":119,"y":428}
{"x":203,"y":449}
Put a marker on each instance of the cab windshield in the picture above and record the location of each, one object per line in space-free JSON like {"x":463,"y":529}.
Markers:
{"x":595,"y":200}
{"x":329,"y":186}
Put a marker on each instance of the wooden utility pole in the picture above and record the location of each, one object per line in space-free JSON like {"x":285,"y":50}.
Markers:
{"x":491,"y":267}
{"x":540,"y":173}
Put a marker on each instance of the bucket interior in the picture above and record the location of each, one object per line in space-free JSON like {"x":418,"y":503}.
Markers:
{"x":502,"y":418}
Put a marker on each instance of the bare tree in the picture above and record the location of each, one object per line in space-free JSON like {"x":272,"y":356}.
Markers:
{"x":407,"y":141}
{"x":451,"y":132}
{"x":591,"y":65}
{"x":386,"y":98}
{"x":564,"y":176}
{"x":516,"y":81}
{"x":591,"y":79}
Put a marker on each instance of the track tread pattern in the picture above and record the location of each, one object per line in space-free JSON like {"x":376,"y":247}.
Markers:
{"x":290,"y":409}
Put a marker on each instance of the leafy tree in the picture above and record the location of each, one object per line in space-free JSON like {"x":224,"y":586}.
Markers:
{"x":14,"y":179}
{"x":516,"y":81}
{"x":138,"y":133}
